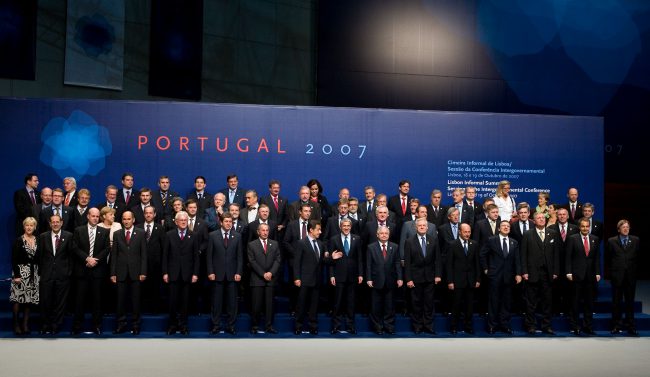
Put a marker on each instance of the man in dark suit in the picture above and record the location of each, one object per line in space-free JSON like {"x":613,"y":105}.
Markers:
{"x":345,"y":274}
{"x":400,"y":205}
{"x":25,"y":200}
{"x":470,"y":201}
{"x":500,"y":262}
{"x":448,"y":232}
{"x":422,"y":271}
{"x":144,"y":202}
{"x":203,"y":198}
{"x":69,"y":192}
{"x":383,"y":276}
{"x":264,"y":258}
{"x":233,"y":193}
{"x":333,"y":222}
{"x":303,"y":198}
{"x":91,"y":246}
{"x":369,"y":233}
{"x":488,"y":227}
{"x":155,"y":236}
{"x":237,"y":223}
{"x":128,"y":270}
{"x":368,"y":206}
{"x":573,"y":206}
{"x":308,"y":261}
{"x":45,"y":202}
{"x":213,"y":213}
{"x":55,"y":266}
{"x":583,"y":269}
{"x":562,"y":290}
{"x":524,"y":223}
{"x":278,"y":210}
{"x":224,"y":268}
{"x":621,"y":257}
{"x":466,"y":212}
{"x":180,"y":268}
{"x":127,"y":196}
{"x":595,"y":226}
{"x":436,"y":212}
{"x":249,"y":213}
{"x":463,"y":277}
{"x":162,"y":198}
{"x":57,"y":209}
{"x":200,"y":293}
{"x":80,"y":210}
{"x":296,"y":230}
{"x":263,"y":218}
{"x":540,"y":266}
{"x":483,"y":213}
{"x":111,"y":201}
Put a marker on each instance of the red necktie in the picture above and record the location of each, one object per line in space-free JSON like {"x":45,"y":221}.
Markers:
{"x":182,"y":235}
{"x":563,"y":233}
{"x":304,"y":230}
{"x":383,"y":251}
{"x":31,"y":195}
{"x":264,"y":245}
{"x":57,"y":242}
{"x":573,"y":211}
{"x":128,"y":197}
{"x":225,"y":240}
{"x":404,"y":206}
{"x":585,"y":243}
{"x":275,"y":203}
{"x":128,"y":236}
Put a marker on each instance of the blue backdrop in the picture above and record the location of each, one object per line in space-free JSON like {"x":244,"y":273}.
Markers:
{"x":96,"y":141}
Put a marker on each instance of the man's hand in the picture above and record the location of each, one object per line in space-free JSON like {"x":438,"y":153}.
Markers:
{"x":268,"y":276}
{"x":166,"y":278}
{"x":333,"y":281}
{"x":237,"y":277}
{"x":212,"y":277}
{"x":450,"y":286}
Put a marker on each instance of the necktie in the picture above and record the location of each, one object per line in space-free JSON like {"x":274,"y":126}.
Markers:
{"x":192,"y":225}
{"x":625,"y":242}
{"x":164,"y":198}
{"x":128,"y":196}
{"x":585,"y":243}
{"x":231,"y":196}
{"x":563,"y":233}
{"x":31,"y":195}
{"x":264,"y":245}
{"x":225,"y":240}
{"x":127,"y":237}
{"x":182,"y":236}
{"x":423,"y":244}
{"x":110,"y":205}
{"x":57,"y":243}
{"x":303,"y":233}
{"x":346,"y":246}
{"x":525,"y":227}
{"x":316,"y":249}
{"x":383,"y":251}
{"x":148,"y":231}
{"x":404,"y":206}
{"x":465,"y":247}
{"x":493,"y":225}
{"x":369,"y":207}
{"x":57,"y":212}
{"x":91,"y":239}
{"x":454,"y":229}
{"x":382,"y":223}
{"x":275,"y":203}
{"x":541,"y":235}
{"x":67,"y":199}
{"x":573,"y":211}
{"x":435,"y":211}
{"x":505,"y":247}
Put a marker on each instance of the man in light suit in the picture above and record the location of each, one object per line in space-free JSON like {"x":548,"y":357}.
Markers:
{"x":583,"y":269}
{"x":540,"y":266}
{"x":463,"y":277}
{"x":128,"y":270}
{"x":25,"y":200}
{"x":180,"y":268}
{"x":308,"y":261}
{"x":233,"y":193}
{"x":224,"y":267}
{"x":621,"y":257}
{"x":264,"y":258}
{"x":383,"y":276}
{"x":55,"y":266}
{"x":91,"y":246}
{"x":501,"y":263}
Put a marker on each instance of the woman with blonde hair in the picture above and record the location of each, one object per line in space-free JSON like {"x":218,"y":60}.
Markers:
{"x":107,"y":217}
{"x":25,"y":277}
{"x":505,"y":202}
{"x":543,"y":198}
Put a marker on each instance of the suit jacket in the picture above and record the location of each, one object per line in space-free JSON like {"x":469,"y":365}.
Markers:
{"x":515,"y":230}
{"x":119,"y":208}
{"x":464,"y":271}
{"x":138,"y":214}
{"x":622,"y":260}
{"x":225,"y":262}
{"x":438,"y":219}
{"x":395,"y":205}
{"x":251,"y":230}
{"x":466,"y":214}
{"x":79,"y":219}
{"x":578,"y":214}
{"x":133,"y":200}
{"x":280,"y":216}
{"x":291,"y":236}
{"x":333,"y":228}
{"x":163,"y":210}
{"x":294,"y":210}
{"x":129,"y":260}
{"x":262,"y":262}
{"x":155,"y":245}
{"x":180,"y":258}
{"x":239,"y":196}
{"x":201,"y":232}
{"x":483,"y":231}
{"x":408,"y":230}
{"x":569,"y":230}
{"x":501,"y":268}
{"x":384,"y":273}
{"x":23,"y":206}
{"x":239,"y":226}
{"x":81,"y":248}
{"x":363,"y":209}
{"x":369,"y":233}
{"x":307,"y":266}
{"x":66,"y":216}
{"x":535,"y":254}
{"x":55,"y":266}
{"x":211,"y":217}
{"x":417,"y":267}
{"x":581,"y":266}
{"x":243,"y":215}
{"x":204,"y":203}
{"x":597,"y":229}
{"x":348,"y":268}
{"x":476,"y":207}
{"x":445,"y":237}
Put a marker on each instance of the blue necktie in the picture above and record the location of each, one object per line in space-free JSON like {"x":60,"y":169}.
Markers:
{"x":454,"y":228}
{"x":505,"y":247}
{"x":424,"y":247}
{"x":346,"y":246}
{"x":465,"y":247}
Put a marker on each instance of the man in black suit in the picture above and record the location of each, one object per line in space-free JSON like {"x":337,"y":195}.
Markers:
{"x":488,"y":227}
{"x":128,"y":270}
{"x":337,"y":217}
{"x":466,"y":212}
{"x":524,"y":223}
{"x":436,"y":212}
{"x":573,"y":206}
{"x":540,"y":266}
{"x":162,"y":198}
{"x":237,"y":223}
{"x":144,"y":202}
{"x":345,"y":274}
{"x":296,"y":230}
{"x":91,"y":246}
{"x":25,"y":200}
{"x":368,"y":207}
{"x":80,"y":210}
{"x":344,"y":194}
{"x":400,"y":205}
{"x":583,"y":269}
{"x":483,"y":214}
{"x":45,"y":202}
{"x":308,"y":261}
{"x":278,"y":210}
{"x":422,"y":271}
{"x":233,"y":193}
{"x":263,"y":218}
{"x":203,"y":198}
{"x":127,"y":196}
{"x":264,"y":258}
{"x":621,"y":257}
{"x":380,"y":219}
{"x":224,"y":268}
{"x":562,"y":290}
{"x":303,"y":198}
{"x":70,"y":192}
{"x":595,"y":226}
{"x":470,"y":201}
{"x":155,"y":236}
{"x":463,"y":277}
{"x":200,"y":293}
{"x":448,"y":232}
{"x":57,"y":208}
{"x":353,"y":211}
{"x":55,"y":266}
{"x":501,"y":263}
{"x":111,"y":201}
{"x":383,"y":276}
{"x":180,"y":268}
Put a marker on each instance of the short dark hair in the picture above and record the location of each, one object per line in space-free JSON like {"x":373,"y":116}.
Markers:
{"x":200,"y":177}
{"x":29,"y":177}
{"x":127,"y":174}
{"x":311,"y":224}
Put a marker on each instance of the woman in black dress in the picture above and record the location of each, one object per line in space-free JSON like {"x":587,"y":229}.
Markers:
{"x":25,"y":277}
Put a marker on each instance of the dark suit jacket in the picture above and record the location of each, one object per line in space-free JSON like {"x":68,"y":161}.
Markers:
{"x":581,"y":266}
{"x":395,"y":204}
{"x":251,"y":230}
{"x":408,"y":230}
{"x":501,"y":268}
{"x":597,"y":229}
{"x":280,"y":216}
{"x":477,"y":208}
{"x":306,"y":266}
{"x":129,"y":260}
{"x":291,"y":237}
{"x":536,"y":254}
{"x":225,"y":262}
{"x":23,"y":206}
{"x":79,"y":219}
{"x":348,"y":268}
{"x":55,"y":266}
{"x":445,"y":237}
{"x":211,"y":217}
{"x":262,"y":263}
{"x":202,"y":233}
{"x":483,"y":231}
{"x":66,"y":216}
{"x":578,"y":215}
{"x":133,"y":200}
{"x":622,"y":260}
{"x":180,"y":257}
{"x":138,"y":214}
{"x":515,"y":231}
{"x":384,"y":273}
{"x":363,"y":209}
{"x":119,"y":208}
{"x":81,"y":248}
{"x":155,"y":245}
{"x":570,"y":229}
{"x":466,"y":214}
{"x":206,"y":201}
{"x":239,"y":196}
{"x":464,"y":271}
{"x":294,"y":210}
{"x":333,"y":228}
{"x":369,"y":233}
{"x":417,"y":267}
{"x":156,"y":201}
{"x":440,"y":219}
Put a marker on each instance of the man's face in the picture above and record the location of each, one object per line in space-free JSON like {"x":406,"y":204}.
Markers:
{"x":127,"y":182}
{"x":57,"y":198}
{"x":346,"y":227}
{"x":127,"y":220}
{"x":93,"y":216}
{"x":163,"y":183}
{"x":343,"y":209}
{"x":381,"y":201}
{"x":234,"y":211}
{"x":344,"y":194}
{"x":454,"y":217}
{"x":523,"y":214}
{"x":305,"y":213}
{"x":191,"y":209}
{"x":370,"y":194}
{"x":83,"y":199}
{"x":383,"y":234}
{"x":562,"y":215}
{"x":263,"y":231}
{"x":353,"y":206}
{"x":263,"y":213}
{"x":587,"y":212}
{"x":33,"y":182}
{"x":177,"y":205}
{"x":382,"y":214}
{"x":470,"y":193}
{"x":573,"y":195}
{"x":413,"y":206}
{"x":421,"y":227}
{"x":422,"y":212}
{"x":181,"y":222}
{"x":251,"y":199}
{"x":145,"y":197}
{"x":584,"y":228}
{"x":304,"y":194}
{"x":465,"y":231}
{"x":405,"y":188}
{"x":540,"y":220}
{"x":67,"y":185}
{"x":457,"y":196}
{"x":46,"y":196}
{"x":219,"y":200}
{"x":493,"y":214}
{"x":232,"y":183}
{"x":624,"y":230}
{"x":199,"y":184}
{"x":315,"y":231}
{"x":274,"y":189}
{"x":56,"y":224}
{"x":226,"y":224}
{"x":504,"y":228}
{"x":149,"y":214}
{"x":435,"y":199}
{"x":111,"y":195}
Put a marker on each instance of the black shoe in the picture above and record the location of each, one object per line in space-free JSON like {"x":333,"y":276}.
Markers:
{"x":632,"y":332}
{"x":313,"y":332}
{"x":185,"y":331}
{"x":390,"y":332}
{"x":215,"y":330}
{"x":575,"y":332}
{"x":271,"y":330}
{"x":352,"y":331}
{"x":297,"y":332}
{"x":254,"y":330}
{"x":490,"y":331}
{"x":548,"y":331}
{"x":507,"y":330}
{"x":121,"y":329}
{"x":469,"y":331}
{"x":335,"y":331}
{"x":589,"y":332}
{"x":430,"y":331}
{"x":97,"y":331}
{"x":171,"y":330}
{"x":616,"y":330}
{"x":231,"y":330}
{"x":135,"y":331}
